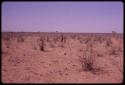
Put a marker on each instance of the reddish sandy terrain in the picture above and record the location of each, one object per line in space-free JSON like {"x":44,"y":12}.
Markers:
{"x":75,"y":58}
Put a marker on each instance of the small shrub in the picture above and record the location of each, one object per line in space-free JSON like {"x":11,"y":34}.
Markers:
{"x":113,"y":52}
{"x":62,"y":38}
{"x":65,"y":54}
{"x":81,"y":49}
{"x":8,"y":44}
{"x":87,"y":40}
{"x":7,"y":38}
{"x":41,"y":44}
{"x":81,"y":41}
{"x":88,"y":64}
{"x":99,"y":55}
{"x":20,"y":39}
{"x":5,"y":52}
{"x":108,"y":42}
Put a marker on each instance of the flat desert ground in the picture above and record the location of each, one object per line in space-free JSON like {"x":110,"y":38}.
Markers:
{"x":62,"y":57}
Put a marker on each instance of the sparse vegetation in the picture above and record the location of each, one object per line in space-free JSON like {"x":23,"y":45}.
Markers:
{"x":98,"y":55}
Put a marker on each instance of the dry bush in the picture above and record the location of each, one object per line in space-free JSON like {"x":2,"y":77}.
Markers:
{"x":81,"y":40}
{"x":39,"y":44}
{"x":5,"y":52}
{"x":6,"y":38}
{"x":81,"y":49}
{"x":113,"y":52}
{"x":88,"y":60}
{"x":42,"y":44}
{"x":62,"y":41}
{"x":78,"y":37}
{"x":108,"y":42}
{"x":63,"y":38}
{"x":20,"y":39}
{"x":87,"y":40}
{"x":88,"y":64}
{"x":8,"y":43}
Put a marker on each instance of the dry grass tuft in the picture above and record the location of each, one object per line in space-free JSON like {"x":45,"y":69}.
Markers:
{"x":20,"y":39}
{"x":89,"y":65}
{"x":42,"y":44}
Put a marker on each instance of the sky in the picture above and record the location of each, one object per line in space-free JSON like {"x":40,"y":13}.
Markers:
{"x":94,"y":17}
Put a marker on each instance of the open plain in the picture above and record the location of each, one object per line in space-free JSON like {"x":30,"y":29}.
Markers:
{"x":40,"y":57}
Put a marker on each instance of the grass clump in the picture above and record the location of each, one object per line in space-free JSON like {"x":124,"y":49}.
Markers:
{"x":42,"y":44}
{"x":20,"y":39}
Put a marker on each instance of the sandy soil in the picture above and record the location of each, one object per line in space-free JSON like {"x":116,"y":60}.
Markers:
{"x":64,"y":59}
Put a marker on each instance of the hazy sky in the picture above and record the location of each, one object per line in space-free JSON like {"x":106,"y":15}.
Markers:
{"x":62,"y":16}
